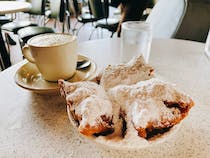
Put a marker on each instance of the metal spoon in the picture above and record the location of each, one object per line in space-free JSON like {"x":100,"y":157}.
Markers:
{"x":83,"y":64}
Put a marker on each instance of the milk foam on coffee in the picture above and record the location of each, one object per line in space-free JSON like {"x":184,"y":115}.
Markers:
{"x":46,"y":40}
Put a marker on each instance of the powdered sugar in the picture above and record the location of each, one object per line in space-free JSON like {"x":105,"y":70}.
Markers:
{"x":89,"y":104}
{"x":91,"y":108}
{"x":130,"y":73}
{"x":133,"y":100}
{"x":146,"y":102}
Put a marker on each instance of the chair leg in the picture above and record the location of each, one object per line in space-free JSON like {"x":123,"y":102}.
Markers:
{"x":9,"y":39}
{"x":91,"y":34}
{"x":63,"y":27}
{"x":41,"y":20}
{"x":46,"y":20}
{"x":68,"y":24}
{"x":3,"y":53}
{"x":78,"y":30}
{"x":97,"y":33}
{"x":1,"y":64}
{"x":16,"y":51}
{"x":102,"y":36}
{"x":92,"y":23}
{"x":9,"y":42}
{"x":55,"y":24}
{"x":75,"y":25}
{"x":74,"y":28}
{"x":112,"y":35}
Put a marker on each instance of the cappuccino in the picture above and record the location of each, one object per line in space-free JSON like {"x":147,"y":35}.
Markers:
{"x":47,"y":40}
{"x":55,"y":55}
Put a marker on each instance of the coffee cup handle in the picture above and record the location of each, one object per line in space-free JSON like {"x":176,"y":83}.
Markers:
{"x":27,"y":54}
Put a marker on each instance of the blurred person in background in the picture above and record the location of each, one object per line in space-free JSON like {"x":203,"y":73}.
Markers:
{"x":131,"y":10}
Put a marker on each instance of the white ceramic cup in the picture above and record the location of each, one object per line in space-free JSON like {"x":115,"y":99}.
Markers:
{"x":136,"y":39}
{"x":54,"y":54}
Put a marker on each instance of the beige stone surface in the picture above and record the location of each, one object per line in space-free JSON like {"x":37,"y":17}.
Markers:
{"x":34,"y":125}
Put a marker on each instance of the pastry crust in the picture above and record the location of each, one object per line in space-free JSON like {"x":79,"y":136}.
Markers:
{"x":130,"y":73}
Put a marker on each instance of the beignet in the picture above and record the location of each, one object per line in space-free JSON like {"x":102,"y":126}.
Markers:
{"x":130,"y":73}
{"x":155,"y":106}
{"x":89,"y":106}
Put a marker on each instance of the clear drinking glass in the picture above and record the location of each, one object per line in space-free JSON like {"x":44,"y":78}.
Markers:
{"x":136,"y":39}
{"x":207,"y":46}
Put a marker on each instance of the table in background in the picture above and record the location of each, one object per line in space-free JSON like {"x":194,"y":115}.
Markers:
{"x":9,"y":7}
{"x":33,"y":125}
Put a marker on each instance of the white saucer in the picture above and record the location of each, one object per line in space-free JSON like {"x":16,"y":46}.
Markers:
{"x":29,"y":77}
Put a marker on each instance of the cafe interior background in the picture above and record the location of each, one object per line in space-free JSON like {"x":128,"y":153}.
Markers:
{"x":39,"y":125}
{"x":178,"y":19}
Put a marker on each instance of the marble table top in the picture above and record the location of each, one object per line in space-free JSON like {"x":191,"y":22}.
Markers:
{"x":34,"y":125}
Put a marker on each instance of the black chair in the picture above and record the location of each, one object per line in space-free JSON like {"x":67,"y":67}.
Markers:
{"x":191,"y":21}
{"x":4,"y":56}
{"x":37,"y":9}
{"x":81,"y":17}
{"x":12,"y":28}
{"x":16,"y":25}
{"x":100,"y":11}
{"x":26,"y":33}
{"x":25,"y":30}
{"x":60,"y":11}
{"x":196,"y":21}
{"x":4,"y":19}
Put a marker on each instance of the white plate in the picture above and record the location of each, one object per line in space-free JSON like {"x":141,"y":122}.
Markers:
{"x":132,"y":143}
